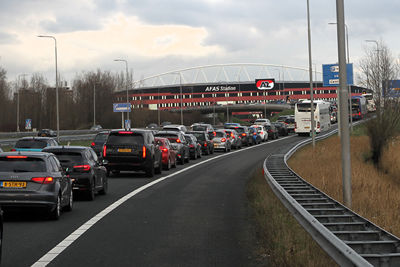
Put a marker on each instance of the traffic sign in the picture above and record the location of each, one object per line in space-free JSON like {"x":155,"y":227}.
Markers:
{"x":122,"y":107}
{"x":28,"y":124}
{"x":391,"y":88}
{"x":127,"y":124}
{"x":330,"y":73}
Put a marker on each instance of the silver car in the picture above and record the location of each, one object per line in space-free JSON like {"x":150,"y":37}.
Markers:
{"x":221,"y":141}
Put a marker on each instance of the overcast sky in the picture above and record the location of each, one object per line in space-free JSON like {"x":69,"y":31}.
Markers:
{"x":157,"y":36}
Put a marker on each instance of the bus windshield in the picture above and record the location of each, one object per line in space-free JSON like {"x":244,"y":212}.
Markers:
{"x":305,"y":107}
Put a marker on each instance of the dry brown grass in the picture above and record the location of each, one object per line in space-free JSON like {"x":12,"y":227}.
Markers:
{"x":282,"y":241}
{"x":375,"y":194}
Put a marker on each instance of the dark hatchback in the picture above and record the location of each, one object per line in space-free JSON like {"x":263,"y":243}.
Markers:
{"x":282,"y":128}
{"x":86,"y":171}
{"x":34,"y":180}
{"x":98,"y":142}
{"x":207,"y":145}
{"x":34,"y":144}
{"x":178,"y":142}
{"x":132,"y":150}
{"x":194,"y":146}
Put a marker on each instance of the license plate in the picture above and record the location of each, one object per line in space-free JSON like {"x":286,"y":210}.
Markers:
{"x":215,"y":144}
{"x":13,"y":184}
{"x":307,"y":127}
{"x":124,"y":150}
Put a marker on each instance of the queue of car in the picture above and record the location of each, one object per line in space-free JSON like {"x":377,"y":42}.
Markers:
{"x":39,"y":173}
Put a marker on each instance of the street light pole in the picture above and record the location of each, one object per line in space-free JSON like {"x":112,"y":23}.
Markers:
{"x":57,"y":108}
{"x":310,"y":74}
{"x":126,"y":84}
{"x":18,"y":92}
{"x":348,"y":62}
{"x":94,"y":104}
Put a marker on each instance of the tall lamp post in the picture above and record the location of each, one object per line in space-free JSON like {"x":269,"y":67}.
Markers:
{"x":18,"y":92}
{"x":57,"y":109}
{"x":126,"y":84}
{"x":348,"y":62}
{"x":310,"y":73}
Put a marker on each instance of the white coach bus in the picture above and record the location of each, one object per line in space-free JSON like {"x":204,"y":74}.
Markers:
{"x":302,"y":116}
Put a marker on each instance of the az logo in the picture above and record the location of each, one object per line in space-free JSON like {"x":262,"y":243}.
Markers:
{"x":265,"y":84}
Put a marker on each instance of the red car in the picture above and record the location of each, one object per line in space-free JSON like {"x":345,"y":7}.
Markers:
{"x":168,"y":153}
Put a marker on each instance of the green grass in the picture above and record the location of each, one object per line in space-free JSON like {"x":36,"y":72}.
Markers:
{"x":359,"y":130}
{"x":282,"y":241}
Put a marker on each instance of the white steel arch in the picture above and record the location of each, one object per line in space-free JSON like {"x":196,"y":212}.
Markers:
{"x":233,"y":72}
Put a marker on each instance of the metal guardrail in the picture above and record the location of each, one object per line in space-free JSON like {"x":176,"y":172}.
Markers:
{"x":348,"y":238}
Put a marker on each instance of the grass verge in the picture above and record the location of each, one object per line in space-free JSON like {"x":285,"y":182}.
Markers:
{"x":375,"y":193}
{"x":282,"y":240}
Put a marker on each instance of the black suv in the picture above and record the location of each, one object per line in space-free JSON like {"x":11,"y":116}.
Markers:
{"x":133,"y":149}
{"x":84,"y":168}
{"x":178,"y":142}
{"x":207,"y":145}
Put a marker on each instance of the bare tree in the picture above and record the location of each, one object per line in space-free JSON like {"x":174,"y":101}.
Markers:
{"x":378,"y":68}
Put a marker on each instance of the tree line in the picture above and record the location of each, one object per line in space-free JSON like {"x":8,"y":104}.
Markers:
{"x":37,"y":101}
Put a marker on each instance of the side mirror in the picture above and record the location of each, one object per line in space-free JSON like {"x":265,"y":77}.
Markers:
{"x":104,"y":162}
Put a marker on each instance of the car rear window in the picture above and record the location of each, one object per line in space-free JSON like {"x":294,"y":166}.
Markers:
{"x":171,"y":137}
{"x":219,"y":134}
{"x":289,"y":120}
{"x":199,"y":136}
{"x":68,"y":158}
{"x":101,"y":138}
{"x":199,"y":128}
{"x":22,"y":164}
{"x":31,"y":144}
{"x":122,"y":139}
{"x":239,"y":130}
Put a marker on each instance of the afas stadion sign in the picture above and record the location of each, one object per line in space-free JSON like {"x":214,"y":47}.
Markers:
{"x":265,"y":84}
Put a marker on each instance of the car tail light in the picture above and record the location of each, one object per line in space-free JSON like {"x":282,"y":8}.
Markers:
{"x":43,"y":180}
{"x":164,"y":150}
{"x":223,"y":140}
{"x":295,"y":125}
{"x":205,"y":144}
{"x":125,"y":132}
{"x":318,"y":125}
{"x":104,"y":151}
{"x":359,"y":113}
{"x":254,"y":133}
{"x":178,"y":140}
{"x":92,"y":144}
{"x":82,"y":168}
{"x":191,"y":145}
{"x":13,"y":149}
{"x":243,"y":134}
{"x":144,"y":152}
{"x":17,"y":157}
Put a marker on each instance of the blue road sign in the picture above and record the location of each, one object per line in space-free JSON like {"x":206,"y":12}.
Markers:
{"x":28,"y":124}
{"x":392,"y":88}
{"x":121,"y":107}
{"x":330,"y":73}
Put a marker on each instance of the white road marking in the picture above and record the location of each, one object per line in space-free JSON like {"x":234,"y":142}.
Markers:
{"x":57,"y":250}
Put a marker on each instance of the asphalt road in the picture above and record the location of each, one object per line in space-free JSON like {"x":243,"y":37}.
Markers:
{"x":196,"y":217}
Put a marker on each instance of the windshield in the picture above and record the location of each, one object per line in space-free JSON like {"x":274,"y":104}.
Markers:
{"x":199,"y":128}
{"x":22,"y":165}
{"x":30,"y":143}
{"x":305,"y":107}
{"x":219,"y":134}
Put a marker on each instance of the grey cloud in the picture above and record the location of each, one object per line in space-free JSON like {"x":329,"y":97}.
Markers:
{"x":6,"y":38}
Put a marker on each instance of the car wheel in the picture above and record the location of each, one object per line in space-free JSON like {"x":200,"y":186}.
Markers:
{"x":159,"y":168}
{"x":91,"y":190}
{"x":104,"y":189}
{"x":150,"y":170}
{"x":174,"y":166}
{"x":187,"y":159}
{"x":56,"y":212}
{"x":108,"y":172}
{"x":168,"y":166}
{"x":70,"y":201}
{"x":199,"y":154}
